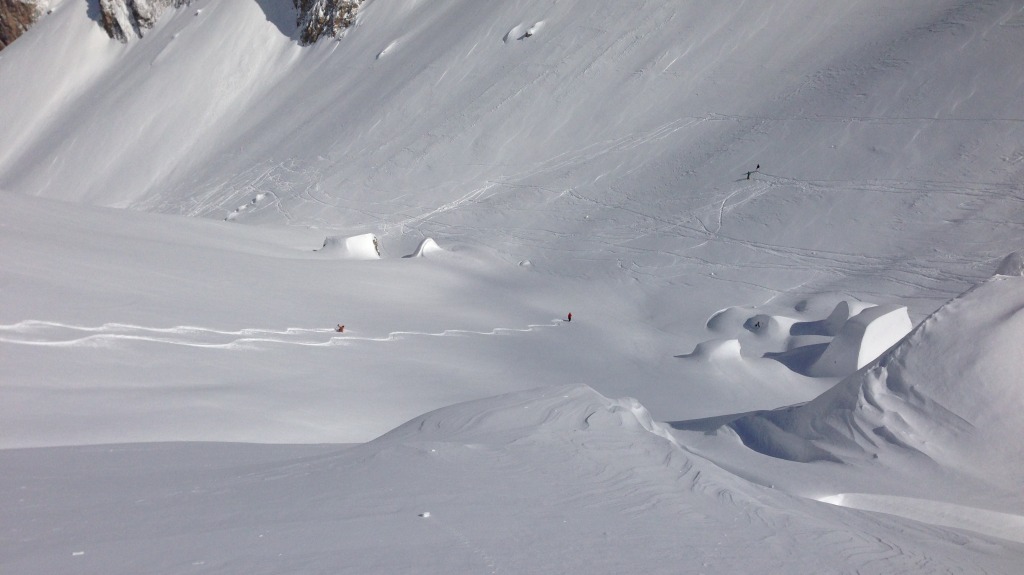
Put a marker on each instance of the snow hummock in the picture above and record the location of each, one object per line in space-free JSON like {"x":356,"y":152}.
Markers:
{"x":427,"y":246}
{"x":1012,"y":265}
{"x":361,"y":247}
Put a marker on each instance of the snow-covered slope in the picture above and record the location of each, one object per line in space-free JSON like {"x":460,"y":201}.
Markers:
{"x":626,"y":128}
{"x":719,"y":193}
{"x":556,"y":480}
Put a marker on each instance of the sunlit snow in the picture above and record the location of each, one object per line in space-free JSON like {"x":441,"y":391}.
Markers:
{"x":788,"y":236}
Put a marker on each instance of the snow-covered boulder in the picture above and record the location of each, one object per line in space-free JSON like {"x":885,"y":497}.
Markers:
{"x":861,"y":339}
{"x":361,"y":247}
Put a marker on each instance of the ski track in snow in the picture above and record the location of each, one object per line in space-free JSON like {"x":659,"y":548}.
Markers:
{"x":54,"y":334}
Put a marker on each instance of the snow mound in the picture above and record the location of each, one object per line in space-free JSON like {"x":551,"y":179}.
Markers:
{"x":861,"y":339}
{"x":426,"y":247}
{"x":1012,"y":265}
{"x":532,"y":413}
{"x":718,"y":350}
{"x":950,"y":391}
{"x":361,"y":247}
{"x":842,"y":313}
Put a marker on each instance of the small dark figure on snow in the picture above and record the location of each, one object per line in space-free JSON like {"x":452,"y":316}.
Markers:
{"x":340,"y":328}
{"x":757,"y":168}
{"x":748,"y":175}
{"x":570,"y":317}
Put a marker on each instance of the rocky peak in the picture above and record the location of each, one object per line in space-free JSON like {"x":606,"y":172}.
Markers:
{"x":318,"y":18}
{"x":127,"y":19}
{"x":15,"y":17}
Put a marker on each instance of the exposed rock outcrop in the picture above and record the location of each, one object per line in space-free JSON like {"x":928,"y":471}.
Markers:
{"x":127,"y":19}
{"x":318,"y":18}
{"x":15,"y":18}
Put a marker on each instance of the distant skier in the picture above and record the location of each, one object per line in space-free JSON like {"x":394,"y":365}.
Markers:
{"x":570,"y":317}
{"x":748,"y":175}
{"x":340,"y":328}
{"x":758,"y":168}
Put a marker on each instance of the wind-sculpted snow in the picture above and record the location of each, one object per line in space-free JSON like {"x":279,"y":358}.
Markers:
{"x":950,"y":392}
{"x":559,"y":479}
{"x":427,"y":246}
{"x":1012,"y":265}
{"x":631,"y":166}
{"x":361,"y":247}
{"x":510,"y":418}
{"x":861,"y":339}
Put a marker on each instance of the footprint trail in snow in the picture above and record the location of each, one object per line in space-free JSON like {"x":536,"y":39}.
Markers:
{"x":54,"y":334}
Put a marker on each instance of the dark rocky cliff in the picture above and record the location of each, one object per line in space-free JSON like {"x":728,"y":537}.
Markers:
{"x":125,"y":20}
{"x":319,"y":18}
{"x":15,"y":17}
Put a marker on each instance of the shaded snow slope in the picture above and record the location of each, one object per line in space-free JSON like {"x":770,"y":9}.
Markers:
{"x":951,"y":392}
{"x":615,"y":133}
{"x":559,"y":480}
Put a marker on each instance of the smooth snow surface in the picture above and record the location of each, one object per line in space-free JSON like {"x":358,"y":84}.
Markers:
{"x":745,"y":209}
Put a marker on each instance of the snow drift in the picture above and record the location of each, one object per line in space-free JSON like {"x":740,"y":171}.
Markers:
{"x":951,"y":391}
{"x":427,"y":246}
{"x":511,"y":417}
{"x":583,"y":483}
{"x":861,"y":339}
{"x":361,"y":247}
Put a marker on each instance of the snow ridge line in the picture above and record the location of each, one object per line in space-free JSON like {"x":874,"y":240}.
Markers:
{"x":193,"y":336}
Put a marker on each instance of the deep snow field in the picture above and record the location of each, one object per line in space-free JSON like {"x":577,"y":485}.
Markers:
{"x":787,"y":233}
